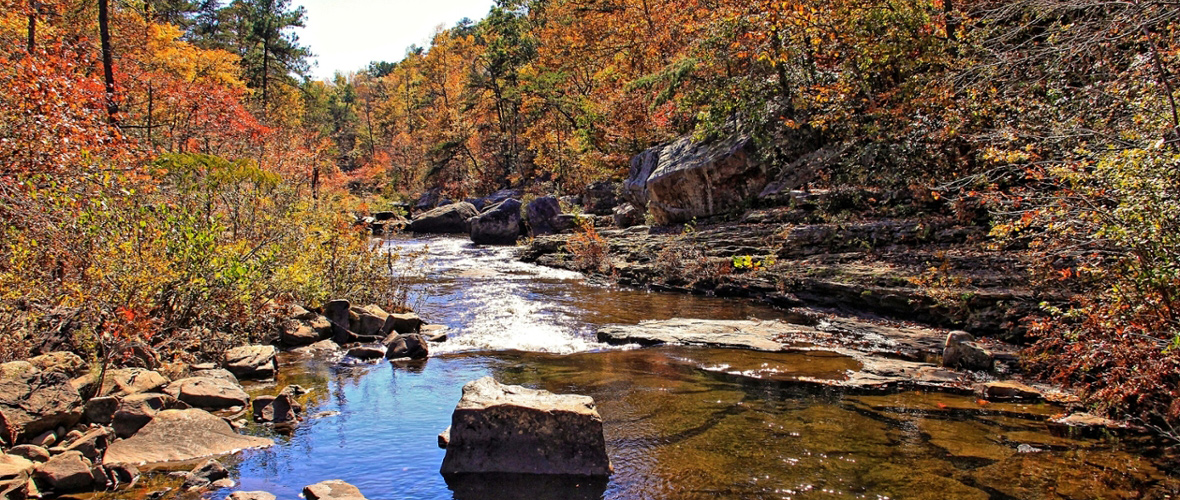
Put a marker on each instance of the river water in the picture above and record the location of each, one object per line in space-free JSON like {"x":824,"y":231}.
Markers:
{"x":680,"y":423}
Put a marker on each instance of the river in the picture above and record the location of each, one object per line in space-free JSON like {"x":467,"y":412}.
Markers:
{"x":680,"y":423}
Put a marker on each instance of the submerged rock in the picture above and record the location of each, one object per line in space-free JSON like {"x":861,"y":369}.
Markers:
{"x":513,"y":429}
{"x":334,"y":489}
{"x":179,"y":435}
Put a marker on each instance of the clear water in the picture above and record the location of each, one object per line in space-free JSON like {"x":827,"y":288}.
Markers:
{"x":680,"y":423}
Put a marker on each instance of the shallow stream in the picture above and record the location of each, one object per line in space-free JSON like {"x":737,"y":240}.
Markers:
{"x":680,"y":423}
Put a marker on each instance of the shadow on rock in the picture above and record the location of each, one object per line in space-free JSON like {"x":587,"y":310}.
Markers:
{"x":500,"y":486}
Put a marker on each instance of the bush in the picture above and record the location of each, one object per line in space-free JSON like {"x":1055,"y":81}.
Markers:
{"x":590,"y":251}
{"x":189,"y":259}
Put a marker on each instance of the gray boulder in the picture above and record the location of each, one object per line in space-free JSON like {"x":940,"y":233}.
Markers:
{"x":685,"y":179}
{"x":181,"y":435}
{"x":961,"y":351}
{"x":252,"y":361}
{"x":513,"y":429}
{"x":626,"y":215}
{"x":542,"y":215}
{"x":498,"y":225}
{"x":36,"y":403}
{"x":337,"y":313}
{"x":447,"y":219}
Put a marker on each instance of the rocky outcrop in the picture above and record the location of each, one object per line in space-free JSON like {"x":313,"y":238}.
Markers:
{"x":961,"y":351}
{"x":542,"y":216}
{"x":35,"y":403}
{"x":59,"y":361}
{"x":446,"y":219}
{"x":208,"y":393}
{"x":334,"y":489}
{"x":626,"y":215}
{"x":180,"y":435}
{"x":600,"y":198}
{"x":684,"y":179}
{"x":498,"y":225}
{"x":512,"y":429}
{"x":252,"y":361}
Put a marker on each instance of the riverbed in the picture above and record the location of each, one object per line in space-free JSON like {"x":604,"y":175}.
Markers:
{"x":680,"y":422}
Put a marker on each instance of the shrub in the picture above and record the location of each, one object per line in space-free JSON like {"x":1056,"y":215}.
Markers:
{"x":590,"y":251}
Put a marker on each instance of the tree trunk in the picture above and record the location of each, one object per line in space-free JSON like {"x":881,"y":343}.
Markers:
{"x":265,"y":64}
{"x":32,"y":25}
{"x":108,"y":72}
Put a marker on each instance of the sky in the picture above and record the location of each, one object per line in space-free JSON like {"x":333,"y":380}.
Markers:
{"x":346,"y":35}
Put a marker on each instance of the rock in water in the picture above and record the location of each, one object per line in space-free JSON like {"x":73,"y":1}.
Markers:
{"x":446,"y":219}
{"x":685,"y":179}
{"x":498,"y":225}
{"x":35,"y":403}
{"x":252,"y":361}
{"x":410,"y":345}
{"x":513,"y":429}
{"x":961,"y":351}
{"x":179,"y":435}
{"x":334,"y":489}
{"x":250,"y":495}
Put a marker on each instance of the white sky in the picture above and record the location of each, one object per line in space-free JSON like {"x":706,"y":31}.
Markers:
{"x":346,"y":35}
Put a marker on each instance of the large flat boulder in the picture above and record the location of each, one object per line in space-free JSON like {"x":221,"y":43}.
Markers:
{"x":512,"y":429}
{"x":252,"y":361}
{"x":69,"y":471}
{"x":181,"y":435}
{"x":685,"y":179}
{"x":35,"y":403}
{"x":447,"y":219}
{"x":207,"y":392}
{"x":136,"y":410}
{"x":498,"y":225}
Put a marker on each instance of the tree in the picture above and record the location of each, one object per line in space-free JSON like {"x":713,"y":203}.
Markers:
{"x":268,"y":46}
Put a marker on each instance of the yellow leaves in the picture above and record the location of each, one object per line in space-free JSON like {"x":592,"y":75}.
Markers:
{"x":167,"y":53}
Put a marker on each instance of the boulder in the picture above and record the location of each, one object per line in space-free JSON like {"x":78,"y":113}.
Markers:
{"x":207,"y":392}
{"x":30,"y":452}
{"x":564,"y":223}
{"x":180,"y":435}
{"x":600,"y":198}
{"x":100,"y":410}
{"x":217,"y":373}
{"x":428,"y":200}
{"x":542,"y":214}
{"x":250,"y":495}
{"x":367,"y":321}
{"x":299,"y":332}
{"x":321,"y":347}
{"x":92,"y":443}
{"x":37,"y":403}
{"x":14,"y":475}
{"x":1009,"y":391}
{"x":120,"y":382}
{"x":137,"y":410}
{"x":45,"y":439}
{"x":252,"y":361}
{"x":275,"y":409}
{"x":204,"y":474}
{"x":512,"y":429}
{"x":626,"y":215}
{"x":498,"y":225}
{"x":334,"y":489}
{"x":337,"y":312}
{"x":402,"y":323}
{"x":961,"y":351}
{"x":408,"y":345}
{"x":446,"y":219}
{"x":434,"y":333}
{"x":69,"y":471}
{"x":684,"y":179}
{"x":121,"y":474}
{"x":61,"y":361}
{"x":367,"y":351}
